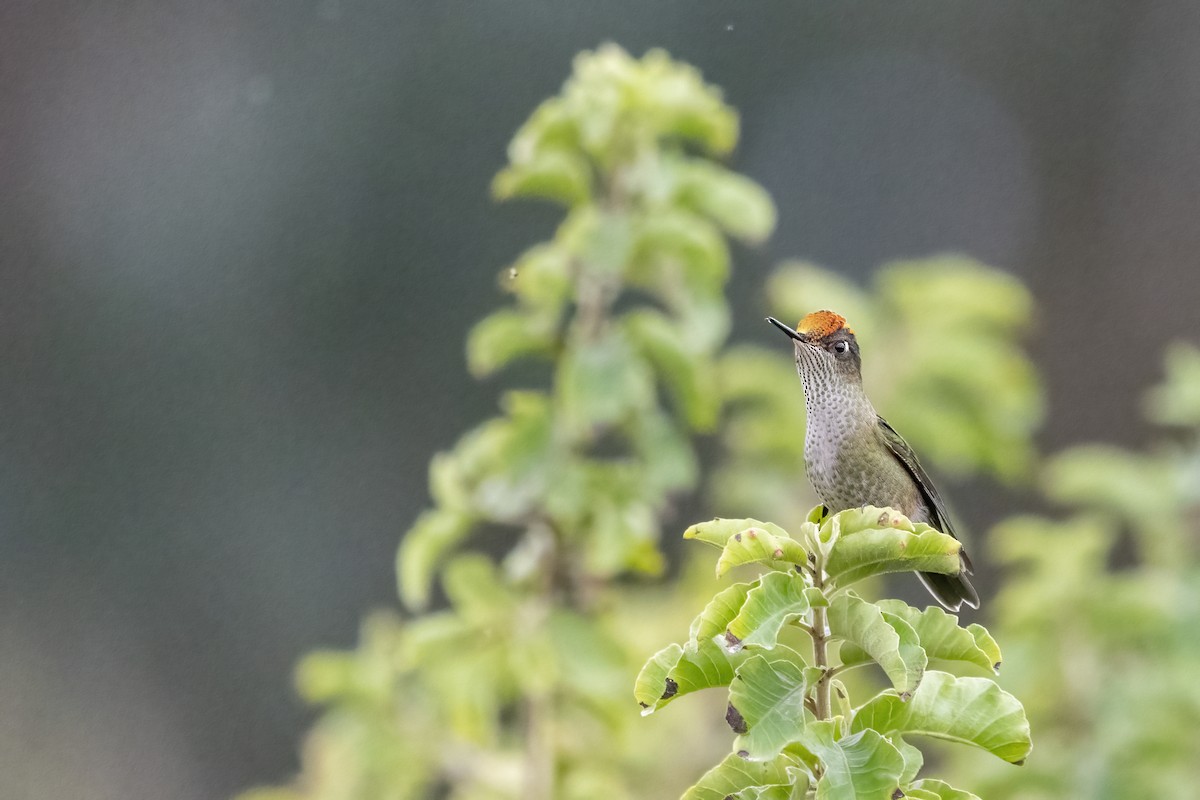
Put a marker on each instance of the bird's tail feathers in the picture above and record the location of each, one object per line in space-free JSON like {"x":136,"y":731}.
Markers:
{"x":950,"y":590}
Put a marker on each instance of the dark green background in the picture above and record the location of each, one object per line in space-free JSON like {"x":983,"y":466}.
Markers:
{"x":240,"y":243}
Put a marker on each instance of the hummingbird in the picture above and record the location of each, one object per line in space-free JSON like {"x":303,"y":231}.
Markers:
{"x":852,"y":456}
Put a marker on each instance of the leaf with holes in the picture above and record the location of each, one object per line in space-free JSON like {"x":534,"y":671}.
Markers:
{"x":717,"y":532}
{"x":700,"y":664}
{"x":766,"y":702}
{"x":759,"y":546}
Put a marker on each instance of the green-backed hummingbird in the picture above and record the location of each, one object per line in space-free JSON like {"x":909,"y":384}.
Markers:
{"x":852,"y":456}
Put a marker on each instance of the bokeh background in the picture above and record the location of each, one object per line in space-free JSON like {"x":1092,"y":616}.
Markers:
{"x":240,"y":244}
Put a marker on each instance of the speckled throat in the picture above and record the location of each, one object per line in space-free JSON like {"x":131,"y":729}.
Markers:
{"x":847,"y":461}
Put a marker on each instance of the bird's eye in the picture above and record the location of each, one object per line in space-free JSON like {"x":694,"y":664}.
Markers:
{"x":841,"y":348}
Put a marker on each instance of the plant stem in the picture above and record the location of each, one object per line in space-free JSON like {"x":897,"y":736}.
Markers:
{"x":821,"y":661}
{"x":820,"y":640}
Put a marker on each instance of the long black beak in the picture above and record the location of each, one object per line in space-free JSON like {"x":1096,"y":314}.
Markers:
{"x":799,"y":337}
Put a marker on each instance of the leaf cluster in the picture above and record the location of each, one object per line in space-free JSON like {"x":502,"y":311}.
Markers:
{"x":1102,"y":608}
{"x":594,"y":459}
{"x":508,"y":688}
{"x":512,"y":687}
{"x":799,"y":734}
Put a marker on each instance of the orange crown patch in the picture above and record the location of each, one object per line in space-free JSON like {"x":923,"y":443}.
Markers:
{"x":820,"y":324}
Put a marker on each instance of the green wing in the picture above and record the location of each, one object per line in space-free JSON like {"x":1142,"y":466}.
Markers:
{"x":949,"y":589}
{"x":938,"y":517}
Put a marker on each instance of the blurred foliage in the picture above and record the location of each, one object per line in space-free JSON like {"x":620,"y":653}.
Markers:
{"x":798,"y":731}
{"x":942,"y":361}
{"x":519,"y":687}
{"x":518,"y":684}
{"x":1101,"y":614}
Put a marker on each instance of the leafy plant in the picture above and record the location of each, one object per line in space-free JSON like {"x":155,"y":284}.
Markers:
{"x":798,"y":731}
{"x":1102,"y":609}
{"x":520,"y":675}
{"x":516,"y":685}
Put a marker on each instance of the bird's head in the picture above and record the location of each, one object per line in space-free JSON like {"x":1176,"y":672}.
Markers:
{"x":824,"y":344}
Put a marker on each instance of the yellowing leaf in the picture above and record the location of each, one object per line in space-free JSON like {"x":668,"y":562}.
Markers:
{"x":759,"y":546}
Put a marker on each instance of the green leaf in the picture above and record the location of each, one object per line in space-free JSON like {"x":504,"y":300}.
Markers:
{"x":863,"y":766}
{"x":1177,"y":400}
{"x":795,"y":789}
{"x":507,"y":462}
{"x":687,"y":375}
{"x":718,"y":531}
{"x":427,"y":542}
{"x":602,"y":382}
{"x":874,"y":552}
{"x":703,"y":316}
{"x":623,"y":535}
{"x":675,"y":97}
{"x":475,"y":589}
{"x":941,"y":637}
{"x":867,"y":518}
{"x":679,"y":238}
{"x":719,"y":613}
{"x":540,"y":278}
{"x":549,"y":127}
{"x":957,"y":292}
{"x":887,"y":639}
{"x":736,"y":203}
{"x":817,"y":515}
{"x":666,"y":452}
{"x":504,"y":336}
{"x":447,"y":483}
{"x":913,"y":758}
{"x":968,"y":710}
{"x":767,"y":706}
{"x":700,"y":664}
{"x":652,"y":689}
{"x":760,"y":546}
{"x":778,"y":598}
{"x":556,"y":175}
{"x":598,"y":242}
{"x":937,"y":790}
{"x":734,"y":774}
